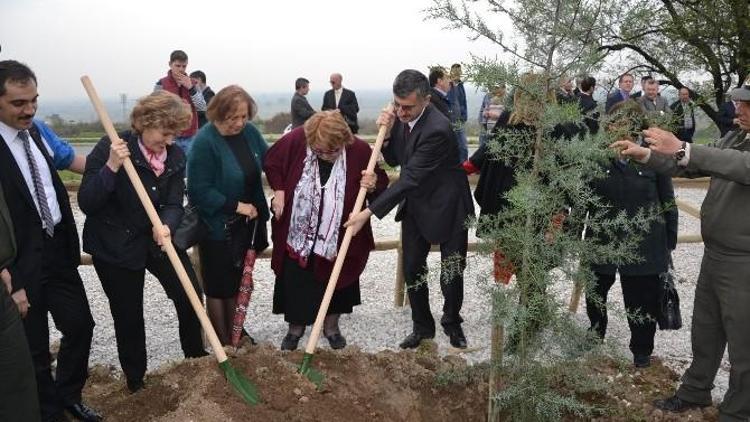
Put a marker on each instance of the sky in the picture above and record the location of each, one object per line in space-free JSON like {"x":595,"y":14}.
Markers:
{"x":124,"y":46}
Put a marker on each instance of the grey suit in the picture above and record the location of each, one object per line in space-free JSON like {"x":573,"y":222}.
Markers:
{"x":301,"y":110}
{"x":722,"y":296}
{"x":657,"y":105}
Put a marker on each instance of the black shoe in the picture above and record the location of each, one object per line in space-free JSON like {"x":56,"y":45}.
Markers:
{"x":290,"y":342}
{"x":83,"y":413}
{"x":642,"y":361}
{"x":135,"y":385}
{"x":677,"y":405}
{"x":414,"y":339}
{"x":457,"y":337}
{"x":249,"y":338}
{"x":336,"y":341}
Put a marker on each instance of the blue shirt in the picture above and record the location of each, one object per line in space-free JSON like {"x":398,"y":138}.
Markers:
{"x":62,"y":153}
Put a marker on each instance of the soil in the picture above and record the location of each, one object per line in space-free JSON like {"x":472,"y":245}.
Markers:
{"x":386,"y":386}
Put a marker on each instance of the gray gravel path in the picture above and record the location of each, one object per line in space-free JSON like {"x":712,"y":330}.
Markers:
{"x":377,"y":325}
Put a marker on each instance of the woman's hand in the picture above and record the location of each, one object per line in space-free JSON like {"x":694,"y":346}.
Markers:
{"x":368,"y":181}
{"x":118,"y":152}
{"x":277,"y":204}
{"x":161,"y":237}
{"x":248,"y":210}
{"x":357,"y":221}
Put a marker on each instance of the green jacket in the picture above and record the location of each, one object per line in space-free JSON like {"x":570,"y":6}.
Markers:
{"x":215,"y":177}
{"x":725,"y":225}
{"x":7,"y":239}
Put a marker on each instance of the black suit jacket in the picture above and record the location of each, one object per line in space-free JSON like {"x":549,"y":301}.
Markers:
{"x":613,"y":99}
{"x":680,"y":115}
{"x":432,"y":187}
{"x":727,"y":113}
{"x":587,"y":105}
{"x":347,"y":105}
{"x":27,"y":224}
{"x":441,"y":103}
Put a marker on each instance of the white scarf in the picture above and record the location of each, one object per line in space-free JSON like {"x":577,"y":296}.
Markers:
{"x":306,"y":210}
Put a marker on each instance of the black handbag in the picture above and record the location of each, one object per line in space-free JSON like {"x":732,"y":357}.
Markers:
{"x":669,"y":317}
{"x":192,"y":229}
{"x":239,"y":234}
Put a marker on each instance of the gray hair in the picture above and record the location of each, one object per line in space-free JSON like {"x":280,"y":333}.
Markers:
{"x":409,"y":81}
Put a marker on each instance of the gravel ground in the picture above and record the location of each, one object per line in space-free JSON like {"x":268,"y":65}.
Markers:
{"x":378,"y":325}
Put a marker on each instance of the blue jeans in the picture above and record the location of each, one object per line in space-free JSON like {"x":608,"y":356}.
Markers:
{"x":463,"y":149}
{"x":184,"y":142}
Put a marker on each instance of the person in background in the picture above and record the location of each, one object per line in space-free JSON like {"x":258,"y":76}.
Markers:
{"x":728,"y":119}
{"x":493,"y":105}
{"x":343,"y":100}
{"x":440,"y":84}
{"x":316,"y":172}
{"x":651,"y":102}
{"x":301,"y":109}
{"x":684,"y":112}
{"x":44,"y":275}
{"x":644,"y":80}
{"x":119,"y":235}
{"x":179,"y":83}
{"x":198,"y":78}
{"x":566,"y":94}
{"x":588,"y":105}
{"x":459,"y":111}
{"x":224,"y":183}
{"x":625,"y":86}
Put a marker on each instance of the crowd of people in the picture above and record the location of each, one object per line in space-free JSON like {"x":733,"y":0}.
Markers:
{"x":192,"y":147}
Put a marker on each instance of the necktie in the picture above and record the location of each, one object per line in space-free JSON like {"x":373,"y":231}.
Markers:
{"x":41,"y":196}
{"x":407,"y":130}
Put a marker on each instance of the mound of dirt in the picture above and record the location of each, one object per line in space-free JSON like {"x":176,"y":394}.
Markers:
{"x":387,"y":386}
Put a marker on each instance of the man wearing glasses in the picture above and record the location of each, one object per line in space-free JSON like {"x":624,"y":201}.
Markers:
{"x":434,"y":201}
{"x":343,"y":100}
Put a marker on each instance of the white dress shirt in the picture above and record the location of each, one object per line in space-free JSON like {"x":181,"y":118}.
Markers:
{"x":337,"y":95}
{"x":15,"y":144}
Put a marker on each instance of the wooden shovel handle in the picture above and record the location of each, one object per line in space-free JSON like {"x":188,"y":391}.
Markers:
{"x":156,"y":221}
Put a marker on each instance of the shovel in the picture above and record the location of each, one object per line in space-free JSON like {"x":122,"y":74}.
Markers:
{"x":305,"y":368}
{"x":241,"y":384}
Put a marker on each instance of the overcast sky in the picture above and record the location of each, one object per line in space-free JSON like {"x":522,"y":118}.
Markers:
{"x":263,"y":46}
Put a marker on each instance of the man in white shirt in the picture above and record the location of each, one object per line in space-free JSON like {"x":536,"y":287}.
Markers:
{"x":343,"y":100}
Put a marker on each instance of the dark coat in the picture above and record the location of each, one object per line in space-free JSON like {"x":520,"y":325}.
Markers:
{"x":613,"y":99}
{"x":631,"y":188}
{"x":432,"y":187}
{"x":26,"y":270}
{"x":727,"y":113}
{"x":300,"y":109}
{"x":117,"y":229}
{"x":441,"y":103}
{"x":347,"y":105}
{"x":679,"y":112}
{"x":7,"y":238}
{"x":283,"y":167}
{"x":587,"y":105}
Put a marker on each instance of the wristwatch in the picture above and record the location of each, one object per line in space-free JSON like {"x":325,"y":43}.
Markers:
{"x":680,"y":153}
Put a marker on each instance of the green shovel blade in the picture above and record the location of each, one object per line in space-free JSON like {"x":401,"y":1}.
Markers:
{"x":307,"y":370}
{"x":243,"y":386}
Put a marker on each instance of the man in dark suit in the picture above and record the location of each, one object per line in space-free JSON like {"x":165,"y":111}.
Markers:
{"x":44,"y":274}
{"x":440,"y":84}
{"x":587,"y":104}
{"x":301,"y":109}
{"x":625,"y":84}
{"x":684,"y":112}
{"x":343,"y":100}
{"x":433,"y":199}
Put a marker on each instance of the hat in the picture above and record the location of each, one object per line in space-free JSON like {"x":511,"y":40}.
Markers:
{"x":742,"y":93}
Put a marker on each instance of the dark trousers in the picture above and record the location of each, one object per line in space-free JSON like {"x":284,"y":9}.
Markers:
{"x":18,"y":394}
{"x":124,"y":289}
{"x":60,"y":293}
{"x":641,"y":296}
{"x":453,"y":262}
{"x":721,"y":314}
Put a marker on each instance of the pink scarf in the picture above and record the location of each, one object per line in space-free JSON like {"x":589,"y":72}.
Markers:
{"x":155,"y":159}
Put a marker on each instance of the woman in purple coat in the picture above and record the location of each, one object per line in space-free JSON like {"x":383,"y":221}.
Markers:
{"x":315,"y":172}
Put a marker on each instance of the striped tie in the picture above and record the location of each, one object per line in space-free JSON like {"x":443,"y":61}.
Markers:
{"x":41,"y":196}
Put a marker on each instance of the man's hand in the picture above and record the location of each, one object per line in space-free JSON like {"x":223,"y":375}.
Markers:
{"x":629,"y":149}
{"x":277,"y":204}
{"x":357,"y":221}
{"x":161,"y":237}
{"x":118,"y":152}
{"x":662,"y":141}
{"x":184,"y":80}
{"x":368,"y":181}
{"x":5,"y":276}
{"x":22,"y":302}
{"x":386,"y":118}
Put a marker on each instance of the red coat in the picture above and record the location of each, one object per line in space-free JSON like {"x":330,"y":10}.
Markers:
{"x":283,"y":168}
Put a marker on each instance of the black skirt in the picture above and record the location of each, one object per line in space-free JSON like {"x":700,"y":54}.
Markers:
{"x":221,"y":279}
{"x":298,"y":295}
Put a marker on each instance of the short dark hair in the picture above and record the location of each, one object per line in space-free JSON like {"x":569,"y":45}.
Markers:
{"x":436,"y":73}
{"x":14,"y":71}
{"x":456,"y":66}
{"x":198,"y":74}
{"x":300,"y":83}
{"x":623,"y":76}
{"x":587,"y":83}
{"x":646,"y":78}
{"x":409,"y":81}
{"x":178,"y":56}
{"x":225,"y":101}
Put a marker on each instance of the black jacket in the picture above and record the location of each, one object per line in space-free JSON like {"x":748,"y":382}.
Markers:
{"x":347,"y":105}
{"x":441,"y":103}
{"x":432,"y":187}
{"x":631,"y":187}
{"x":587,"y":105}
{"x":117,"y":228}
{"x":27,"y":225}
{"x":680,"y":115}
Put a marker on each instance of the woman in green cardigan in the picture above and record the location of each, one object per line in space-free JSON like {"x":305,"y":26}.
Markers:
{"x":224,"y":183}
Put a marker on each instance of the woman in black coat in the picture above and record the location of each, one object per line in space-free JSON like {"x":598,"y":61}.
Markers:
{"x":630,"y":188}
{"x":119,"y":235}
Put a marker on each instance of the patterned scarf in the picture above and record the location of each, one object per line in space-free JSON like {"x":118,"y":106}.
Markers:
{"x":304,"y":231}
{"x":154,"y":159}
